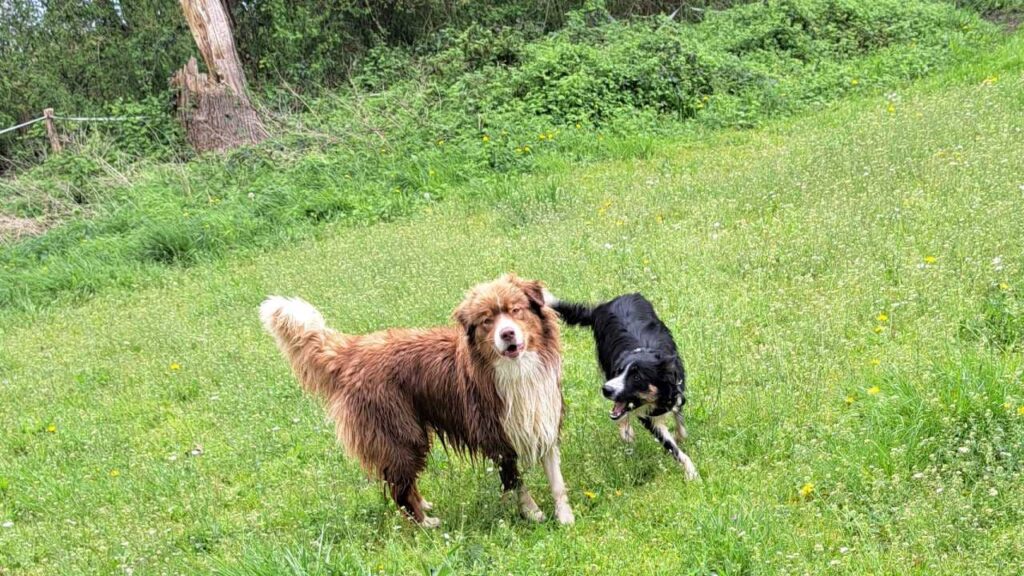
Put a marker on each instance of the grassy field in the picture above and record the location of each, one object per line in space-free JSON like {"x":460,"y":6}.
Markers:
{"x":847,"y":289}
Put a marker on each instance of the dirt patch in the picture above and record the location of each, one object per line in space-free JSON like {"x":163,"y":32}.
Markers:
{"x":1009,"y":19}
{"x":14,"y":228}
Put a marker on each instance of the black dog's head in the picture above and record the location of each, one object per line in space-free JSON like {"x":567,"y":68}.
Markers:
{"x":649,"y":378}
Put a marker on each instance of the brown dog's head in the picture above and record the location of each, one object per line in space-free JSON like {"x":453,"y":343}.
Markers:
{"x":505,"y":317}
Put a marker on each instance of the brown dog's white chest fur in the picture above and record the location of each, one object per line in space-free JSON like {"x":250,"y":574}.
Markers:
{"x":533,"y":404}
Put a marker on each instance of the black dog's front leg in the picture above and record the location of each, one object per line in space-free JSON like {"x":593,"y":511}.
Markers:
{"x":510,"y":480}
{"x":657,"y":429}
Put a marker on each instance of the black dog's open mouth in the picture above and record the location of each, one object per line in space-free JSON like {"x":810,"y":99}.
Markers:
{"x":618,"y":410}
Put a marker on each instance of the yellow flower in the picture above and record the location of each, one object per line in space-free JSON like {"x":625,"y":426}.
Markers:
{"x":1020,"y":411}
{"x":486,"y":138}
{"x":882,"y":317}
{"x":875,"y":361}
{"x":618,"y":492}
{"x":646,"y":261}
{"x":891,"y":109}
{"x":854,"y":81}
{"x":849,"y":400}
{"x":879,"y":329}
{"x":990,"y":80}
{"x":51,"y":428}
{"x":577,"y":124}
{"x":175,"y":366}
{"x":874,"y":390}
{"x":590,"y":494}
{"x":431,"y":172}
{"x":806,"y":490}
{"x":930,"y":259}
{"x":526,"y":149}
{"x":1004,"y":286}
{"x":115,"y":473}
{"x":620,"y":222}
{"x":440,"y":142}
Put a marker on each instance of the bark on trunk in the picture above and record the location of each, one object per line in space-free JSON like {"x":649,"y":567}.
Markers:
{"x":214,"y":108}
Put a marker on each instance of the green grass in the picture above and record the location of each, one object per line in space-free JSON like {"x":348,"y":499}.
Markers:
{"x":458,"y":121}
{"x":873,"y":247}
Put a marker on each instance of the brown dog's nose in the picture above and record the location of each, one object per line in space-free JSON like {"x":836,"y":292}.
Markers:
{"x":508,"y":335}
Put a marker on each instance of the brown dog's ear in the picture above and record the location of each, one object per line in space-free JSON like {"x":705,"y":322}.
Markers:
{"x":463,"y":317}
{"x":534,"y":291}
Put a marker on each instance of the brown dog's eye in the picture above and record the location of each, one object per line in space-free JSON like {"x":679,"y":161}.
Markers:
{"x":517,"y":310}
{"x":487,"y":322}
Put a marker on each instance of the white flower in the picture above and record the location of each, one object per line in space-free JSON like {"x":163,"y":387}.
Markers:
{"x":997,"y":263}
{"x":607,"y":246}
{"x":963,"y":449}
{"x":993,"y":492}
{"x":8,"y":524}
{"x":252,"y":195}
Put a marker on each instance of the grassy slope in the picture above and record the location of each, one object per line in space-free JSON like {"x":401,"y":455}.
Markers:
{"x":771,"y":254}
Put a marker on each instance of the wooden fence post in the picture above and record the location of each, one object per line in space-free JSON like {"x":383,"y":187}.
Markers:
{"x":51,"y":131}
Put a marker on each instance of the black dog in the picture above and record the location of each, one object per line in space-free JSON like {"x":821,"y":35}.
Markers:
{"x":641,"y":364}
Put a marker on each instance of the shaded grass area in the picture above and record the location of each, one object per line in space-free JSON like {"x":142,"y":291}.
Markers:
{"x":845,"y":288}
{"x":463,"y":123}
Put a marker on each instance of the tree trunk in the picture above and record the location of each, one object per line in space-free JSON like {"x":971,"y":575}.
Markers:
{"x":214,"y":108}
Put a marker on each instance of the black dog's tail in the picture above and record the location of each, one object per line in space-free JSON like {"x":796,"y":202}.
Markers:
{"x":572,"y":313}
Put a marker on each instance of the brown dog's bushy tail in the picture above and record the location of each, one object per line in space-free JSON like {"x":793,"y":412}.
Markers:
{"x":303,"y":338}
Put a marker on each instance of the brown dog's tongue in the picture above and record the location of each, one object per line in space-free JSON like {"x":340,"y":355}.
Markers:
{"x":618,"y":410}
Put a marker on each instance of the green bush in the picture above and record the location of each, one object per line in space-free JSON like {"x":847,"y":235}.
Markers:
{"x":417,"y":125}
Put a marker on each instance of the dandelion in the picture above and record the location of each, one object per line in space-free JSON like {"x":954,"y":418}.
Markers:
{"x":882,"y":317}
{"x":618,"y":492}
{"x":526,"y":149}
{"x":879,"y":329}
{"x":486,"y":138}
{"x":175,"y":366}
{"x":646,"y":261}
{"x":806,"y":490}
{"x":1004,"y":286}
{"x":115,"y":473}
{"x":578,"y":125}
{"x":875,"y":361}
{"x":52,"y":428}
{"x":1020,"y":410}
{"x":849,"y":400}
{"x":891,"y":109}
{"x":854,"y":81}
{"x":990,"y":80}
{"x":440,"y":142}
{"x":659,"y":218}
{"x":590,"y":494}
{"x":874,"y":390}
{"x":541,"y":136}
{"x":1006,"y":406}
{"x":930,"y":259}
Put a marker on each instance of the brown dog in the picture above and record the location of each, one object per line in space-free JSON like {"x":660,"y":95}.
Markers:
{"x":489,"y":386}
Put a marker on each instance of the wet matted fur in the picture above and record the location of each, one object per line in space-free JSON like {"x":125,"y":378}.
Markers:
{"x":490,"y":385}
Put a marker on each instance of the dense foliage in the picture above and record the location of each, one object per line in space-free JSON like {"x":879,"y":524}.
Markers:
{"x":485,"y":103}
